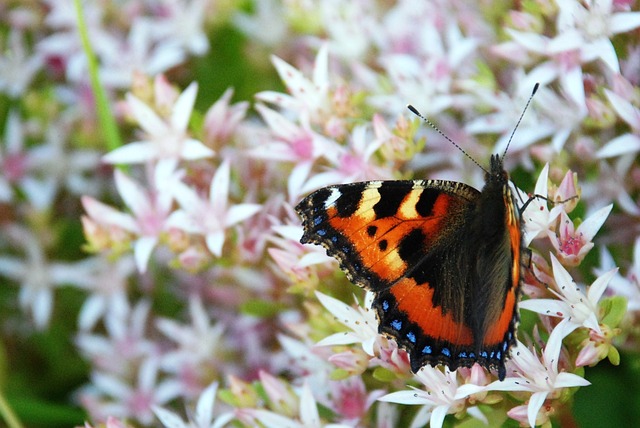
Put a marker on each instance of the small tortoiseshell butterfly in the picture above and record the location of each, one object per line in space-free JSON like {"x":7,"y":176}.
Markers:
{"x":442,"y":258}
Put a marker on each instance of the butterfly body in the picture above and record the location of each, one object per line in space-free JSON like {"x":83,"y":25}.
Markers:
{"x":442,"y":258}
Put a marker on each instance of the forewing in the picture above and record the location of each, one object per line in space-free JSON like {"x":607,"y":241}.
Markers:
{"x":381,"y":230}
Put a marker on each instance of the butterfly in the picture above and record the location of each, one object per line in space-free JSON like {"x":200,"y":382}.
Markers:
{"x":442,"y":258}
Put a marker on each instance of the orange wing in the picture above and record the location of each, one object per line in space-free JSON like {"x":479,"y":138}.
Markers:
{"x":402,"y":240}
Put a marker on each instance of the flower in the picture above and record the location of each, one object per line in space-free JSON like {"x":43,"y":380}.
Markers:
{"x":139,"y":52}
{"x":537,"y":217}
{"x":203,"y":415}
{"x":308,"y":416}
{"x":351,"y":400}
{"x":538,"y":376}
{"x":124,"y":344}
{"x":209,"y":217}
{"x":222,"y":119}
{"x":166,"y":138}
{"x":17,"y":67}
{"x":591,"y":23}
{"x":572,"y":244}
{"x":182,"y":25}
{"x":136,"y":400}
{"x":108,"y":290}
{"x":362,"y":322}
{"x":150,"y":210}
{"x":576,"y":308}
{"x":442,"y":395}
{"x":625,"y":143}
{"x":309,"y":98}
{"x":196,"y":353}
{"x":353,"y":164}
{"x":36,"y":276}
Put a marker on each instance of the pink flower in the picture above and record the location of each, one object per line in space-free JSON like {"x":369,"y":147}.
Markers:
{"x":293,"y":258}
{"x":625,"y":143}
{"x":309,"y":97}
{"x":222,"y":119}
{"x":138,"y":399}
{"x":442,"y":395}
{"x":37,"y":276}
{"x":150,"y":209}
{"x":353,"y":164}
{"x":213,"y":216}
{"x":529,"y":373}
{"x":307,"y":415}
{"x":196,"y":350}
{"x":351,"y":400}
{"x":576,"y":308}
{"x":202,"y":417}
{"x":591,"y":24}
{"x":165,"y":138}
{"x":572,"y":244}
{"x":17,"y":68}
{"x":291,"y":142}
{"x":361,"y":321}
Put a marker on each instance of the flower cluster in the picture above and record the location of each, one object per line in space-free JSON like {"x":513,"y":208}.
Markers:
{"x":170,"y":265}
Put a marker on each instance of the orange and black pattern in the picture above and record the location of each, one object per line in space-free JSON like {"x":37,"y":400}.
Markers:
{"x":442,"y":258}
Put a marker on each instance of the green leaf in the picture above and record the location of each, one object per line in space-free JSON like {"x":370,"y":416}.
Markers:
{"x":614,"y":309}
{"x":261,"y":308}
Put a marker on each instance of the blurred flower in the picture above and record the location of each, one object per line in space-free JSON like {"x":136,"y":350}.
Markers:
{"x":182,"y":25}
{"x":150,"y":210}
{"x":13,"y":158}
{"x":353,"y":164}
{"x":111,"y":422}
{"x":627,"y":286}
{"x":308,"y":416}
{"x":267,"y":14}
{"x":351,"y":400}
{"x":290,"y":142}
{"x":626,"y":143}
{"x":139,"y":52}
{"x":210,"y":217}
{"x":17,"y":66}
{"x":222,"y":119}
{"x":591,"y":23}
{"x":135,"y":400}
{"x":202,"y":417}
{"x":309,"y":98}
{"x":36,"y":276}
{"x":166,"y":138}
{"x":196,"y":354}
{"x":107,"y":290}
{"x":125,"y":343}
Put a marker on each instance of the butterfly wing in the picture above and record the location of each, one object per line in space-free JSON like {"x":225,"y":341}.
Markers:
{"x":407,"y":241}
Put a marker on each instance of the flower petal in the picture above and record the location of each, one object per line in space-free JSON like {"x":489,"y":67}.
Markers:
{"x":181,"y":111}
{"x":535,"y":403}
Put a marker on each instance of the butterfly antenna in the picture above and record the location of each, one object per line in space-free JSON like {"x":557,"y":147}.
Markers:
{"x":535,"y":89}
{"x":431,"y":124}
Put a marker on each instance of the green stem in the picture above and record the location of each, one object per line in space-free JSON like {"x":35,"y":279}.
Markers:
{"x":8,"y":415}
{"x":107,"y":121}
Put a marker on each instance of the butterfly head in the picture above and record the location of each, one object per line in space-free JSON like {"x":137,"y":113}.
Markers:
{"x":496,"y":173}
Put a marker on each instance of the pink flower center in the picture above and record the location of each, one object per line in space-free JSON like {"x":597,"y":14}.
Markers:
{"x":14,"y":167}
{"x":351,"y":403}
{"x":302,"y":146}
{"x":572,"y":245}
